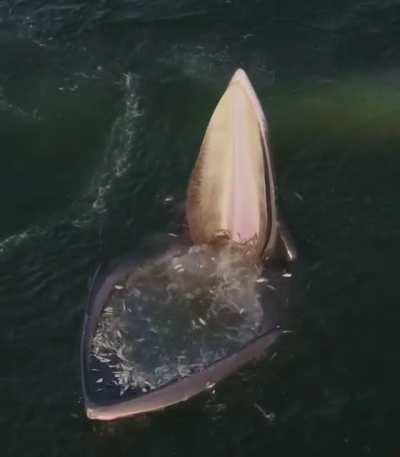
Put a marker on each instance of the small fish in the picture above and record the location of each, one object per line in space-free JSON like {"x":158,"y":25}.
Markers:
{"x":123,"y":390}
{"x":269,"y":416}
{"x":261,"y":280}
{"x":118,"y":287}
{"x":202,"y":321}
{"x":299,"y":196}
{"x":287,"y":275}
{"x":99,"y":381}
{"x":174,"y":235}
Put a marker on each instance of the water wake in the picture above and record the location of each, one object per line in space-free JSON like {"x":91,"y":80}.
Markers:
{"x":120,"y":144}
{"x":93,"y":204}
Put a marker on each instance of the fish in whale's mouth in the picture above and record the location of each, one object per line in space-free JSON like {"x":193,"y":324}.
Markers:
{"x":168,"y":319}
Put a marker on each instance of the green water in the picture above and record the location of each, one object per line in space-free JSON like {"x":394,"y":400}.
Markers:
{"x":102,"y":111}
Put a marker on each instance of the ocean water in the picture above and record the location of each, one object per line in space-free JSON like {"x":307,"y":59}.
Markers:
{"x":102,"y":107}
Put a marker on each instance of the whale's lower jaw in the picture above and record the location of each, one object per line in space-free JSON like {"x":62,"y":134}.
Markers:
{"x":186,"y":388}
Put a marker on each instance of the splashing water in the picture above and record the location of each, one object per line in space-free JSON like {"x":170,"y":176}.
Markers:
{"x":120,"y":144}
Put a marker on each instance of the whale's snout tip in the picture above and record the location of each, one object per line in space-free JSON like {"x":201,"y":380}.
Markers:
{"x":240,"y":76}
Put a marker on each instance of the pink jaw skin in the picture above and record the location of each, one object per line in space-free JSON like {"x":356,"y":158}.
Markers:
{"x":232,"y":188}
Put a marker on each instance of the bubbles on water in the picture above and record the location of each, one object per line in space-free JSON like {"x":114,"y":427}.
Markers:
{"x":120,"y":144}
{"x":173,"y":316}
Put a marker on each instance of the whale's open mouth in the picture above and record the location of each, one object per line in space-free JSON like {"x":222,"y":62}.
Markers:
{"x":160,"y":330}
{"x":171,"y":318}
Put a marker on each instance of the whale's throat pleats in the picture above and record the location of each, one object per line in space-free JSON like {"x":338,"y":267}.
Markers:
{"x":229,"y":192}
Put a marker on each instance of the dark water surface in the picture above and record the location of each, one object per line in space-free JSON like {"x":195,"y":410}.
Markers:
{"x":102,"y":109}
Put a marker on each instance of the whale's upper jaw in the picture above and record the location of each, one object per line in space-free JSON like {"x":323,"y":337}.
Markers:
{"x":232,"y":188}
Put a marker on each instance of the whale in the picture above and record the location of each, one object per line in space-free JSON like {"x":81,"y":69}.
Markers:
{"x":159,"y":330}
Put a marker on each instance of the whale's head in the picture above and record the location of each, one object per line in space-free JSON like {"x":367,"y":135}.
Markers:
{"x":231,"y":193}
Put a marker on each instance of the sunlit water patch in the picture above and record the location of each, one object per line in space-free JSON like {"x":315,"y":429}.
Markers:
{"x":174,"y":316}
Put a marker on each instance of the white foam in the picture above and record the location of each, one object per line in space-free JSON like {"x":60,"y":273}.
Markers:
{"x":120,"y":144}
